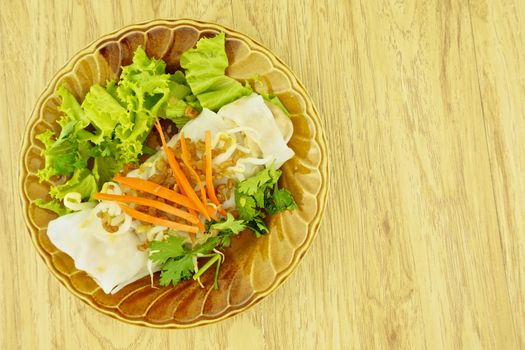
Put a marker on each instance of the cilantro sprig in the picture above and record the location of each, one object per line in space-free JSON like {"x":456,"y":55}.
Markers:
{"x":227,"y":228}
{"x":260,"y":196}
{"x":176,"y":258}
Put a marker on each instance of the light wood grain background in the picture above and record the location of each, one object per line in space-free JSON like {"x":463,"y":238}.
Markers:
{"x":423,"y":240}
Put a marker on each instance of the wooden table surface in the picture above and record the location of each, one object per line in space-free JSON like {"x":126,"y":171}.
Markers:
{"x":423,"y":240}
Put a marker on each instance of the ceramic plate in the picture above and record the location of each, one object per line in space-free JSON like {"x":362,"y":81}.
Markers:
{"x":253,"y":267}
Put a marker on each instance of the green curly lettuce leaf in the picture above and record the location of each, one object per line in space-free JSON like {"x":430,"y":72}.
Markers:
{"x":53,"y":205}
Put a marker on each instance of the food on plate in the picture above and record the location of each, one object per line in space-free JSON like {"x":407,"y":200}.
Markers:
{"x":159,"y":171}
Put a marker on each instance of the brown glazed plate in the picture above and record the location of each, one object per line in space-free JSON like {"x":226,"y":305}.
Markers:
{"x":253,"y":267}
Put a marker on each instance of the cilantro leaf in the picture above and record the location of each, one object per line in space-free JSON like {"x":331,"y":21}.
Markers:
{"x":230,"y":224}
{"x":176,"y":259}
{"x":258,"y":185}
{"x":281,"y":200}
{"x":162,"y":251}
{"x":251,"y":185}
{"x":246,"y":206}
{"x":227,"y":228}
{"x":259,"y":182}
{"x":260,"y":195}
{"x":258,"y":226}
{"x":173,"y":271}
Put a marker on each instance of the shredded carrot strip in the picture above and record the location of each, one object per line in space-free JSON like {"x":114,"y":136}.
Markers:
{"x":150,"y":203}
{"x":201,"y":227}
{"x":156,"y":189}
{"x":209,"y":173}
{"x":211,"y":211}
{"x":177,"y":172}
{"x":158,"y":221}
{"x":192,"y":212}
{"x":199,"y":224}
{"x":186,"y":160}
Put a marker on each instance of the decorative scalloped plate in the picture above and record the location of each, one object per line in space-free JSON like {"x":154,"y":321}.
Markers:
{"x":253,"y":267}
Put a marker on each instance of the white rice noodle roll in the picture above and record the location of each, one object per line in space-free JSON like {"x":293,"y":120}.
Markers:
{"x":110,"y":259}
{"x":251,"y":112}
{"x":284,"y":123}
{"x":196,"y":128}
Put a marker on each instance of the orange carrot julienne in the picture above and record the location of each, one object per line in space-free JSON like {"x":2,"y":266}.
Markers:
{"x":212,"y":211}
{"x":158,"y":221}
{"x":201,"y":226}
{"x":192,"y":212}
{"x":179,"y":175}
{"x":186,"y":160}
{"x":209,"y":173}
{"x":150,"y":203}
{"x":156,"y":189}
